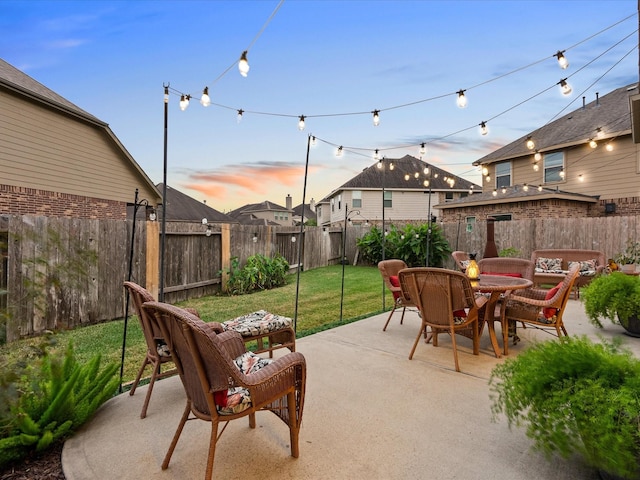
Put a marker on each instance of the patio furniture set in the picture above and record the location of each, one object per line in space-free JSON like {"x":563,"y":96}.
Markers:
{"x":448,"y":301}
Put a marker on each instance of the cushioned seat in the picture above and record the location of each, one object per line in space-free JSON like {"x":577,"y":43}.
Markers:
{"x":257,"y":325}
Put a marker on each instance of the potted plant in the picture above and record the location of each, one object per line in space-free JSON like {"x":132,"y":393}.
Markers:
{"x":615,"y":296}
{"x":629,"y":258}
{"x":575,"y":396}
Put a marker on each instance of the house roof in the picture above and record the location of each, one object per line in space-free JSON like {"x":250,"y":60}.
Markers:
{"x":610,"y":113}
{"x":372,"y":177}
{"x":182,"y":207}
{"x":517,"y":193}
{"x":265,"y":206}
{"x":308,"y":213}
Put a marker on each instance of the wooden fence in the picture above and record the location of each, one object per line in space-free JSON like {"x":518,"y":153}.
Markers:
{"x":61,"y":273}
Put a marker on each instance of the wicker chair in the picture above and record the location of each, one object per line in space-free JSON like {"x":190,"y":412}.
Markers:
{"x":211,"y":376}
{"x":156,"y":355}
{"x":389,"y":269}
{"x":461,"y":259}
{"x":504,"y":265}
{"x":541,"y":308}
{"x":452,"y":305}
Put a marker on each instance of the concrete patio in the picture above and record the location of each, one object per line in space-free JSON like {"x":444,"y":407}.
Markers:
{"x":370,"y":413}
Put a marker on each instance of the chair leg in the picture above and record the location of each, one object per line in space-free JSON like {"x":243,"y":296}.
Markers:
{"x":147,"y":398}
{"x":293,"y":424}
{"x":212,"y":448}
{"x":455,"y":349}
{"x":415,"y":344}
{"x":404,"y":309}
{"x":252,"y":420}
{"x":145,"y":362}
{"x":176,"y":436}
{"x":384,"y":329}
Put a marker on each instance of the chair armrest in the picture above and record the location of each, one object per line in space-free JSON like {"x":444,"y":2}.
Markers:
{"x":285,"y":372}
{"x":192,"y":311}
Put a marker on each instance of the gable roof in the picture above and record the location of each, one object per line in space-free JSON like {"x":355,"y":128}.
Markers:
{"x":371,"y":178}
{"x":304,"y":210}
{"x":182,"y":207}
{"x":265,"y":206}
{"x":610,"y":113}
{"x":517,"y":193}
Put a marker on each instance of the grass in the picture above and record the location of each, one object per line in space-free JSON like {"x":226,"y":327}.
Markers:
{"x":318,"y":309}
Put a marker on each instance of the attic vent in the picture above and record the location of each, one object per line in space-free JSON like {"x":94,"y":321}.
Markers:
{"x":609,"y":208}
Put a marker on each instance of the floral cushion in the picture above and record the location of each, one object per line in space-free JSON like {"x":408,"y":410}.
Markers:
{"x":237,"y":399}
{"x":464,"y":263}
{"x":585,"y":266}
{"x":546,"y":264}
{"x":162,"y":348}
{"x":257,"y":323}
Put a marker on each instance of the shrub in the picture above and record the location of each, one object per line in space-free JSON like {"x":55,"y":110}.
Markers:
{"x":259,"y":273}
{"x":409,"y":244}
{"x":44,"y":398}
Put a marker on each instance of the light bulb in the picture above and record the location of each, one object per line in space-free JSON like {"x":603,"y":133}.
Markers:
{"x":462,"y":100}
{"x":152,"y":216}
{"x":416,"y":175}
{"x":426,"y":170}
{"x":379,"y":164}
{"x":239,"y":117}
{"x":301,"y":122}
{"x":565,"y":88}
{"x":391,"y":166}
{"x":423,"y":149}
{"x":208,"y":232}
{"x":483,"y":128}
{"x":599,"y":132}
{"x":488,"y":178}
{"x":581,"y":178}
{"x":494,"y":193}
{"x":255,"y":238}
{"x":339,"y":151}
{"x":530,"y":143}
{"x":426,"y":183}
{"x":293,"y":239}
{"x":539,"y":188}
{"x":525,"y":187}
{"x":536,"y":167}
{"x":537,"y":156}
{"x":485,"y":171}
{"x":243,"y":64}
{"x":204,"y":99}
{"x":376,"y":118}
{"x":314,"y":142}
{"x":376,"y":155}
{"x":407,"y":176}
{"x":562,"y":173}
{"x":184,"y":102}
{"x":562,"y":60}
{"x":609,"y":147}
{"x":504,"y":190}
{"x":593,"y":143}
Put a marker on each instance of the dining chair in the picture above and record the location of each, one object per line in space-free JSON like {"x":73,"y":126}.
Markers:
{"x":224,"y":382}
{"x":447,"y":304}
{"x":389,"y":270}
{"x":461,"y":259}
{"x":543,"y":309}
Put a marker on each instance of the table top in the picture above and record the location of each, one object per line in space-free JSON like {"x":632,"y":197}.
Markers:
{"x":499,"y":283}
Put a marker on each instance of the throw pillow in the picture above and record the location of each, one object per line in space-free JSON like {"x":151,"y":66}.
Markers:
{"x":549,"y":312}
{"x":395,"y":281}
{"x":459,"y":316}
{"x":585,"y":265}
{"x":543,"y":263}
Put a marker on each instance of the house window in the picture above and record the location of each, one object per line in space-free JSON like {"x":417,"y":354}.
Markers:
{"x":333,"y":205}
{"x":448,"y":195}
{"x":505,"y":217}
{"x":387,"y":199}
{"x":339,"y":202}
{"x":471,"y":222}
{"x":356,"y":199}
{"x":553,"y":165}
{"x":503,"y":174}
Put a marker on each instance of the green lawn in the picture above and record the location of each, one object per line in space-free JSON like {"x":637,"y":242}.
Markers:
{"x":318,"y":309}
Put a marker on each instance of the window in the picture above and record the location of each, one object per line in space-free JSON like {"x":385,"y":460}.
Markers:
{"x":505,"y":217}
{"x":387,"y":199}
{"x":356,"y":199}
{"x":448,"y":195}
{"x":333,"y":205}
{"x":339,"y":201}
{"x":503,"y":174}
{"x":471,"y":222}
{"x":553,"y":165}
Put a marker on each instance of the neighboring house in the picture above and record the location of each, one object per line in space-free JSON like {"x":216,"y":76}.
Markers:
{"x":305,"y":213}
{"x":265,"y":213}
{"x":183,"y":208}
{"x":407,"y":198}
{"x":57,"y":160}
{"x":583,"y":164}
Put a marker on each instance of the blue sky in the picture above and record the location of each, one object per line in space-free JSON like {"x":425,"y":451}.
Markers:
{"x":332,"y":61}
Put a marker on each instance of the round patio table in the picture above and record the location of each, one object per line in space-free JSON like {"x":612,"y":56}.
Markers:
{"x":496,"y":285}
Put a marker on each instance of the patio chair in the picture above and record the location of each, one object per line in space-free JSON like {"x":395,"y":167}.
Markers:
{"x":224,"y":382}
{"x":461,"y":259}
{"x":540,"y":308}
{"x":157,"y":351}
{"x":451,"y":306}
{"x":389,"y":270}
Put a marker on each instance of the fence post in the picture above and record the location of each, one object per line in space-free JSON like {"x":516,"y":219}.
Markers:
{"x":225,"y":253}
{"x":152,"y":272}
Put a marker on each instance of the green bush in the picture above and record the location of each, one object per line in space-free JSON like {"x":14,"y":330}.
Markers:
{"x":408,"y":244}
{"x":259,"y":273}
{"x":44,"y":398}
{"x":575,"y":396}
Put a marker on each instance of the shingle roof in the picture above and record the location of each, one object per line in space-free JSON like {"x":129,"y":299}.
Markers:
{"x":265,"y":206}
{"x":610,"y":113}
{"x":182,"y":207}
{"x":308,"y":213}
{"x":11,"y":77}
{"x":372,"y":177}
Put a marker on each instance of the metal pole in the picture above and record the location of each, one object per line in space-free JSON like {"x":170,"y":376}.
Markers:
{"x":304,"y":193}
{"x":344,"y":251}
{"x":384,"y":238}
{"x":164,"y":193}
{"x":429,"y":220}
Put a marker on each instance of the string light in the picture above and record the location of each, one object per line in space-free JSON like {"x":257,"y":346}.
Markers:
{"x":504,"y":190}
{"x":537,"y":156}
{"x":184,"y":102}
{"x":205,"y":100}
{"x":530,"y":143}
{"x":376,"y":154}
{"x":609,"y":147}
{"x":426,"y":170}
{"x":539,"y":188}
{"x":243,"y":64}
{"x":426,"y":183}
{"x":423,"y":149}
{"x":536,"y":167}
{"x":301,"y":122}
{"x":565,"y":88}
{"x":562,"y":173}
{"x":485,"y":171}
{"x":562,"y":60}
{"x":376,"y":118}
{"x":462,"y":100}
{"x":483,"y":128}
{"x":494,"y":193}
{"x":407,"y":176}
{"x":239,"y":117}
{"x":488,"y":178}
{"x":599,"y":132}
{"x":581,"y":178}
{"x":593,"y":143}
{"x":525,"y":187}
{"x":339,"y":151}
{"x":314,"y":142}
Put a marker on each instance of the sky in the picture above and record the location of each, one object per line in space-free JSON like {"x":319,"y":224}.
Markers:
{"x":334,"y":62}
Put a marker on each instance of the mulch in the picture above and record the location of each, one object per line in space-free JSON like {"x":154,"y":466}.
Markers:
{"x":45,"y":466}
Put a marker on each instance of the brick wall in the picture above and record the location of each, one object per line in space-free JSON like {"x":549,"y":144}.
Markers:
{"x":525,"y":210}
{"x":30,"y":201}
